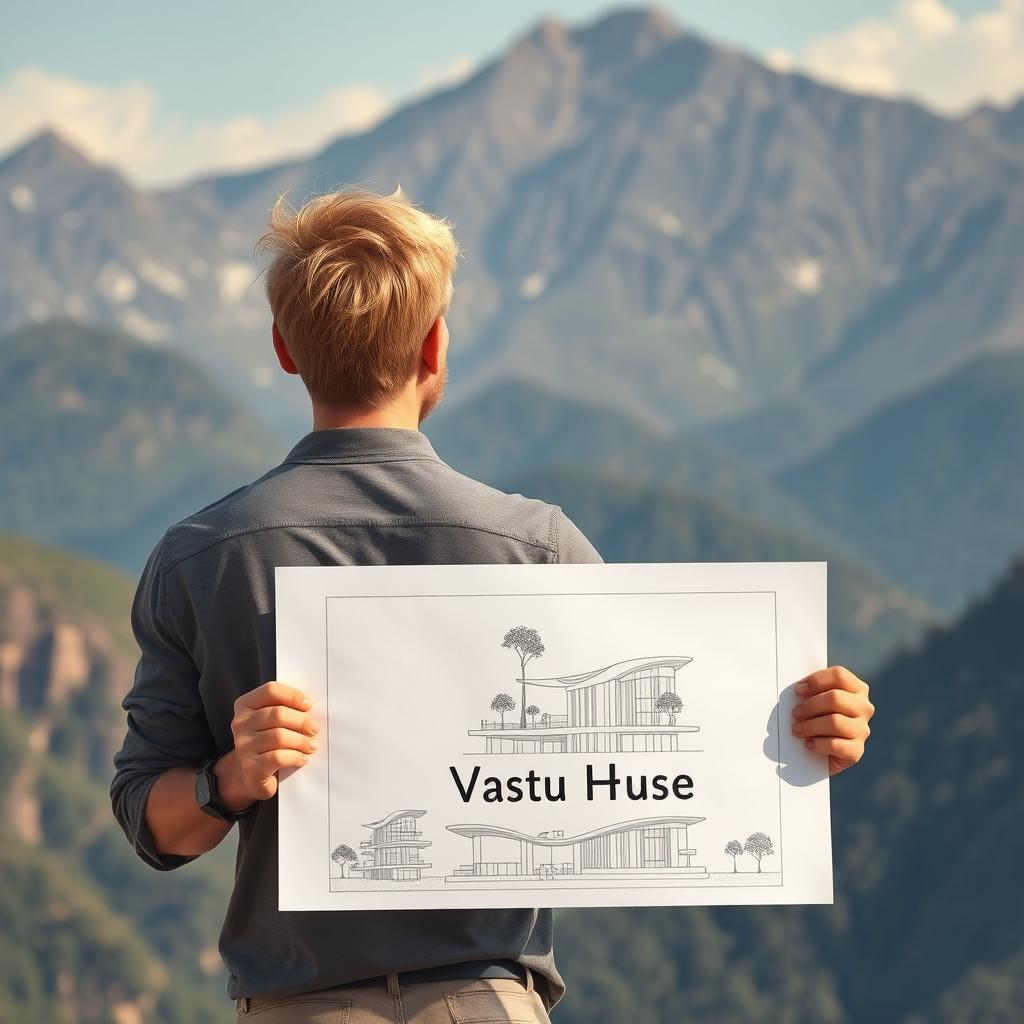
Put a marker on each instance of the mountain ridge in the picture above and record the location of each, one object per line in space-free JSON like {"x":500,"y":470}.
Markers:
{"x":932,"y":463}
{"x":654,"y":219}
{"x":639,"y":521}
{"x":105,"y":440}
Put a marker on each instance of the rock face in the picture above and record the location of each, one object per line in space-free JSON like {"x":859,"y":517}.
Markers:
{"x":83,"y":939}
{"x":60,"y":668}
{"x":42,"y":660}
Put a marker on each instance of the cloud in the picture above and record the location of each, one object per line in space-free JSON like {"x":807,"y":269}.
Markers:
{"x":123,"y":124}
{"x":250,"y":140}
{"x":429,"y":79}
{"x":925,"y":50}
{"x":106,"y":122}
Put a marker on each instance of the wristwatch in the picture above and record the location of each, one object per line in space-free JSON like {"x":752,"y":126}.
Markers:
{"x":209,"y":799}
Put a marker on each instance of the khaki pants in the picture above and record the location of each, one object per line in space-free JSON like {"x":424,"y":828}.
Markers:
{"x":466,"y":1001}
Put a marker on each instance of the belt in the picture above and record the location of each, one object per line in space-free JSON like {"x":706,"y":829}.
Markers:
{"x":450,"y":972}
{"x":444,"y":972}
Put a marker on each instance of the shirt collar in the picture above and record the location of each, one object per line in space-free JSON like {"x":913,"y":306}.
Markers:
{"x":362,"y":444}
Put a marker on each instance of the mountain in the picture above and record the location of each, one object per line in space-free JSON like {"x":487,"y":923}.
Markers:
{"x":1006,"y":122}
{"x":779,"y":434}
{"x":87,"y":936}
{"x":652,"y":221}
{"x":516,"y":427}
{"x":104,"y":441}
{"x":926,"y":839}
{"x":644,"y":495}
{"x":83,"y":242}
{"x":626,"y":521}
{"x":931,"y":487}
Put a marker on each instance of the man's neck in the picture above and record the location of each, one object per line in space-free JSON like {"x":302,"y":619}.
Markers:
{"x":403,"y":415}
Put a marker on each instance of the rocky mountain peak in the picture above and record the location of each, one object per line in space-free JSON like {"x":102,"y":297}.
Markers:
{"x":623,"y":35}
{"x":636,"y":31}
{"x":45,"y":150}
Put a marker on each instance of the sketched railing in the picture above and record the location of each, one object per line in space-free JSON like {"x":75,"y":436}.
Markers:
{"x":551,"y":722}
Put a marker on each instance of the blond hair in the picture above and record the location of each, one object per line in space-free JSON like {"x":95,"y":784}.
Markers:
{"x":354,"y":283}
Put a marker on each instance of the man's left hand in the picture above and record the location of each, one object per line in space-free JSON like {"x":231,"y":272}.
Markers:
{"x":832,"y":715}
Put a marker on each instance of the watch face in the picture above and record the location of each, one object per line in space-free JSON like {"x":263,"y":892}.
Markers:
{"x":202,"y":789}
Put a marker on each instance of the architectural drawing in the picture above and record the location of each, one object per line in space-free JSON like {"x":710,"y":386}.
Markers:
{"x":645,"y":851}
{"x":641,"y":853}
{"x":437,"y":786}
{"x":393,"y":851}
{"x":622,"y":708}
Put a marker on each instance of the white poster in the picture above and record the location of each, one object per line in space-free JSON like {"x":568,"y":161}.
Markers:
{"x":553,"y":735}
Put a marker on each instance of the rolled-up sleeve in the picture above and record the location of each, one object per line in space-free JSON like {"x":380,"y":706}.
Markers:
{"x":167,"y":726}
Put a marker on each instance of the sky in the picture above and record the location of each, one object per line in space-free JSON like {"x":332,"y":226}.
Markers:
{"x":166,"y":92}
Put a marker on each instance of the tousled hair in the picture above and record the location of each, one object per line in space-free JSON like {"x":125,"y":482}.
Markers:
{"x":354,"y":282}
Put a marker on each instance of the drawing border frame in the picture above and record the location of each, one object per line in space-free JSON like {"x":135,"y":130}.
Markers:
{"x":611,"y":593}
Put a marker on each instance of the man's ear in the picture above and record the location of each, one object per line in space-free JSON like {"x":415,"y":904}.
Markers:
{"x":281,"y":349}
{"x":433,"y":351}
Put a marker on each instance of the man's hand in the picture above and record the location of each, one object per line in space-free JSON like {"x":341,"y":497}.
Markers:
{"x":273,"y":728}
{"x":832,"y":715}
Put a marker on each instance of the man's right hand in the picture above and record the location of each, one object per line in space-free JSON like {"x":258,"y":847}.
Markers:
{"x":274,"y":728}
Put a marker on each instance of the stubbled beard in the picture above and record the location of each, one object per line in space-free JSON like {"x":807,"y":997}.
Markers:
{"x":436,"y":393}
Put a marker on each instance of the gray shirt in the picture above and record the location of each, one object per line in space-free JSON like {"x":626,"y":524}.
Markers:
{"x":203,"y":617}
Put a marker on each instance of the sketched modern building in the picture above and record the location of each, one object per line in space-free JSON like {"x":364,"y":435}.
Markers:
{"x":393,"y":850}
{"x":609,"y":710}
{"x":646,"y":850}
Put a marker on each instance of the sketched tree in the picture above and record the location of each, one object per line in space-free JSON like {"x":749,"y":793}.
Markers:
{"x":526,"y":642}
{"x":758,"y":845}
{"x":734,"y":850}
{"x":533,"y":711}
{"x":671,"y":704}
{"x":502,"y":703}
{"x":344,"y":856}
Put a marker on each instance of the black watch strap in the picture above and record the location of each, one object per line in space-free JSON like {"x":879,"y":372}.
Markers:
{"x":208,"y":797}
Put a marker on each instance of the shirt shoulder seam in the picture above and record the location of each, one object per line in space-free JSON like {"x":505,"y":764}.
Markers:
{"x":408,"y":522}
{"x":553,"y":531}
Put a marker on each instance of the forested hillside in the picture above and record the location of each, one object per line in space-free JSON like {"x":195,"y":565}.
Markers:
{"x":104,"y":441}
{"x":936,"y":465}
{"x":89,"y":934}
{"x":868,"y":616}
{"x":924,"y":841}
{"x":516,"y":427}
